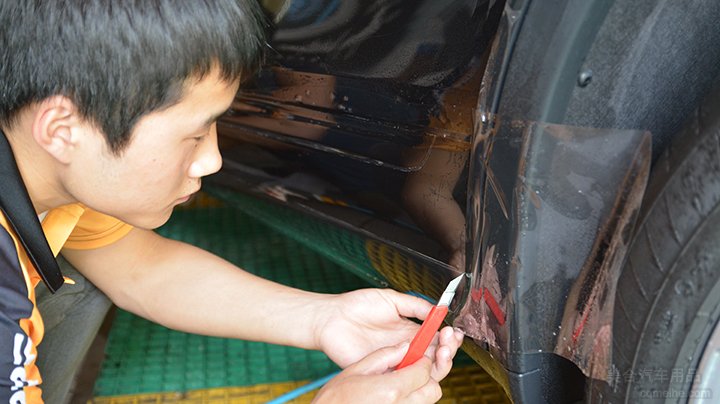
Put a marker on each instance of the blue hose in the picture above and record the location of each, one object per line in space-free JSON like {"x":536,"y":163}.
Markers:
{"x":303,"y":389}
{"x":420,"y":295}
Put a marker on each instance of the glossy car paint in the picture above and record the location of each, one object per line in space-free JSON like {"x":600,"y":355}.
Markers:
{"x":364,"y":117}
{"x":391,"y":136}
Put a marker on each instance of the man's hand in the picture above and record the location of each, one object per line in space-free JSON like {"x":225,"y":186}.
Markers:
{"x":360,"y":322}
{"x":203,"y":298}
{"x":372,"y":380}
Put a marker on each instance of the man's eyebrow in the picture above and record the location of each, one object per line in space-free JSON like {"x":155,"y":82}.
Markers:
{"x":215,"y":117}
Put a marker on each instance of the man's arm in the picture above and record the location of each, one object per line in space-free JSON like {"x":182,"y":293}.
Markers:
{"x":186,"y":288}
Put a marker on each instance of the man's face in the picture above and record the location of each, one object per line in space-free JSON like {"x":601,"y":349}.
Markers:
{"x":169,"y":151}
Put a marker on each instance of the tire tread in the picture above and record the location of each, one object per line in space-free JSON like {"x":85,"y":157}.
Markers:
{"x":683,"y":191}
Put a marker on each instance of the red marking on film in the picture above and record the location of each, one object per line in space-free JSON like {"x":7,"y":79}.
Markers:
{"x":480,"y":294}
{"x":578,"y":330}
{"x":494,"y":306}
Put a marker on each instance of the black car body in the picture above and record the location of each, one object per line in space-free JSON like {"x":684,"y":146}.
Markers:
{"x":414,"y":140}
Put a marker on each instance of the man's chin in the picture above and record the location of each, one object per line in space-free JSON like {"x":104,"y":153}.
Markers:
{"x":149,"y":222}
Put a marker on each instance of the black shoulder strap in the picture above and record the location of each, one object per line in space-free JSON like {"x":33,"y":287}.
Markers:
{"x":18,"y":209}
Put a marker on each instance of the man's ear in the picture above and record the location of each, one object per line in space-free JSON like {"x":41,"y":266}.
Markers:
{"x":57,"y":127}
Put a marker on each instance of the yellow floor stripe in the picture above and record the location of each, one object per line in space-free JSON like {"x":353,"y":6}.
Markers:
{"x":463,"y":385}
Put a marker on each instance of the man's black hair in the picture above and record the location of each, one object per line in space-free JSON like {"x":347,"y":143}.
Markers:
{"x":119,"y":60}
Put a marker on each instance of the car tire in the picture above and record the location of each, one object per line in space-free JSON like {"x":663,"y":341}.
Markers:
{"x":668,"y":298}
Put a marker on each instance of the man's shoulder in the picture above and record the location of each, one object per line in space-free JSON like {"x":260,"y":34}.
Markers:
{"x":95,"y":229}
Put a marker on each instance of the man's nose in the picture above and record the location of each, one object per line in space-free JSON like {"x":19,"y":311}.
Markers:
{"x":208,"y":159}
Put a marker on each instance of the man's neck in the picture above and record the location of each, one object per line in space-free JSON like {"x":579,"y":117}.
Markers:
{"x":37,"y":169}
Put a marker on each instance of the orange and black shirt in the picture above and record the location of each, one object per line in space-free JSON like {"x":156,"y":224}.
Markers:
{"x":21,"y":327}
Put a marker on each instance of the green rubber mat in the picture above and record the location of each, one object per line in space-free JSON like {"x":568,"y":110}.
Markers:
{"x":332,"y":242}
{"x":144,"y":357}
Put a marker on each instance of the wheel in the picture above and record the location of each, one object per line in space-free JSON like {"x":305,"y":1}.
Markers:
{"x":666,"y":334}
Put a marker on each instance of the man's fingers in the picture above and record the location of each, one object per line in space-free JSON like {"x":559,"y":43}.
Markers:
{"x":381,"y":360}
{"x":411,"y":381}
{"x":459,"y":335}
{"x":449,"y":342}
{"x":443,"y":363}
{"x":451,"y":337}
{"x":429,"y":393}
{"x":411,"y":384}
{"x":413,"y":377}
{"x":442,"y":350}
{"x":446,"y":338}
{"x":410,"y":306}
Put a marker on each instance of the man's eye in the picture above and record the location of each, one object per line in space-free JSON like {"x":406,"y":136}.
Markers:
{"x":198,"y":139}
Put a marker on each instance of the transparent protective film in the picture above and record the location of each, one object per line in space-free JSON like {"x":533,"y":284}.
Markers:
{"x":553,"y":208}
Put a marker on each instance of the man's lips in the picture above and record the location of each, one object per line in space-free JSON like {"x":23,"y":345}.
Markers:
{"x":187,"y":197}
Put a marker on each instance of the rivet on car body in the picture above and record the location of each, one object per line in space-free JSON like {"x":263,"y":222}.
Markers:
{"x":584,"y":78}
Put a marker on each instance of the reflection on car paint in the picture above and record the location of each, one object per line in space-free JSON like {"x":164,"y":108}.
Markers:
{"x":381,"y":146}
{"x":555,"y":218}
{"x":373,"y":121}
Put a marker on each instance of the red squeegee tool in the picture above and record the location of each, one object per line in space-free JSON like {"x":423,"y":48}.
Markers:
{"x":429,"y":327}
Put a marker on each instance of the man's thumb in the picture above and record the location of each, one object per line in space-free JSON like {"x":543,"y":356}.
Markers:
{"x":382,"y":360}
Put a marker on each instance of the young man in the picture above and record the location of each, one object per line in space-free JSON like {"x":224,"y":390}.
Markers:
{"x":108,"y":111}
